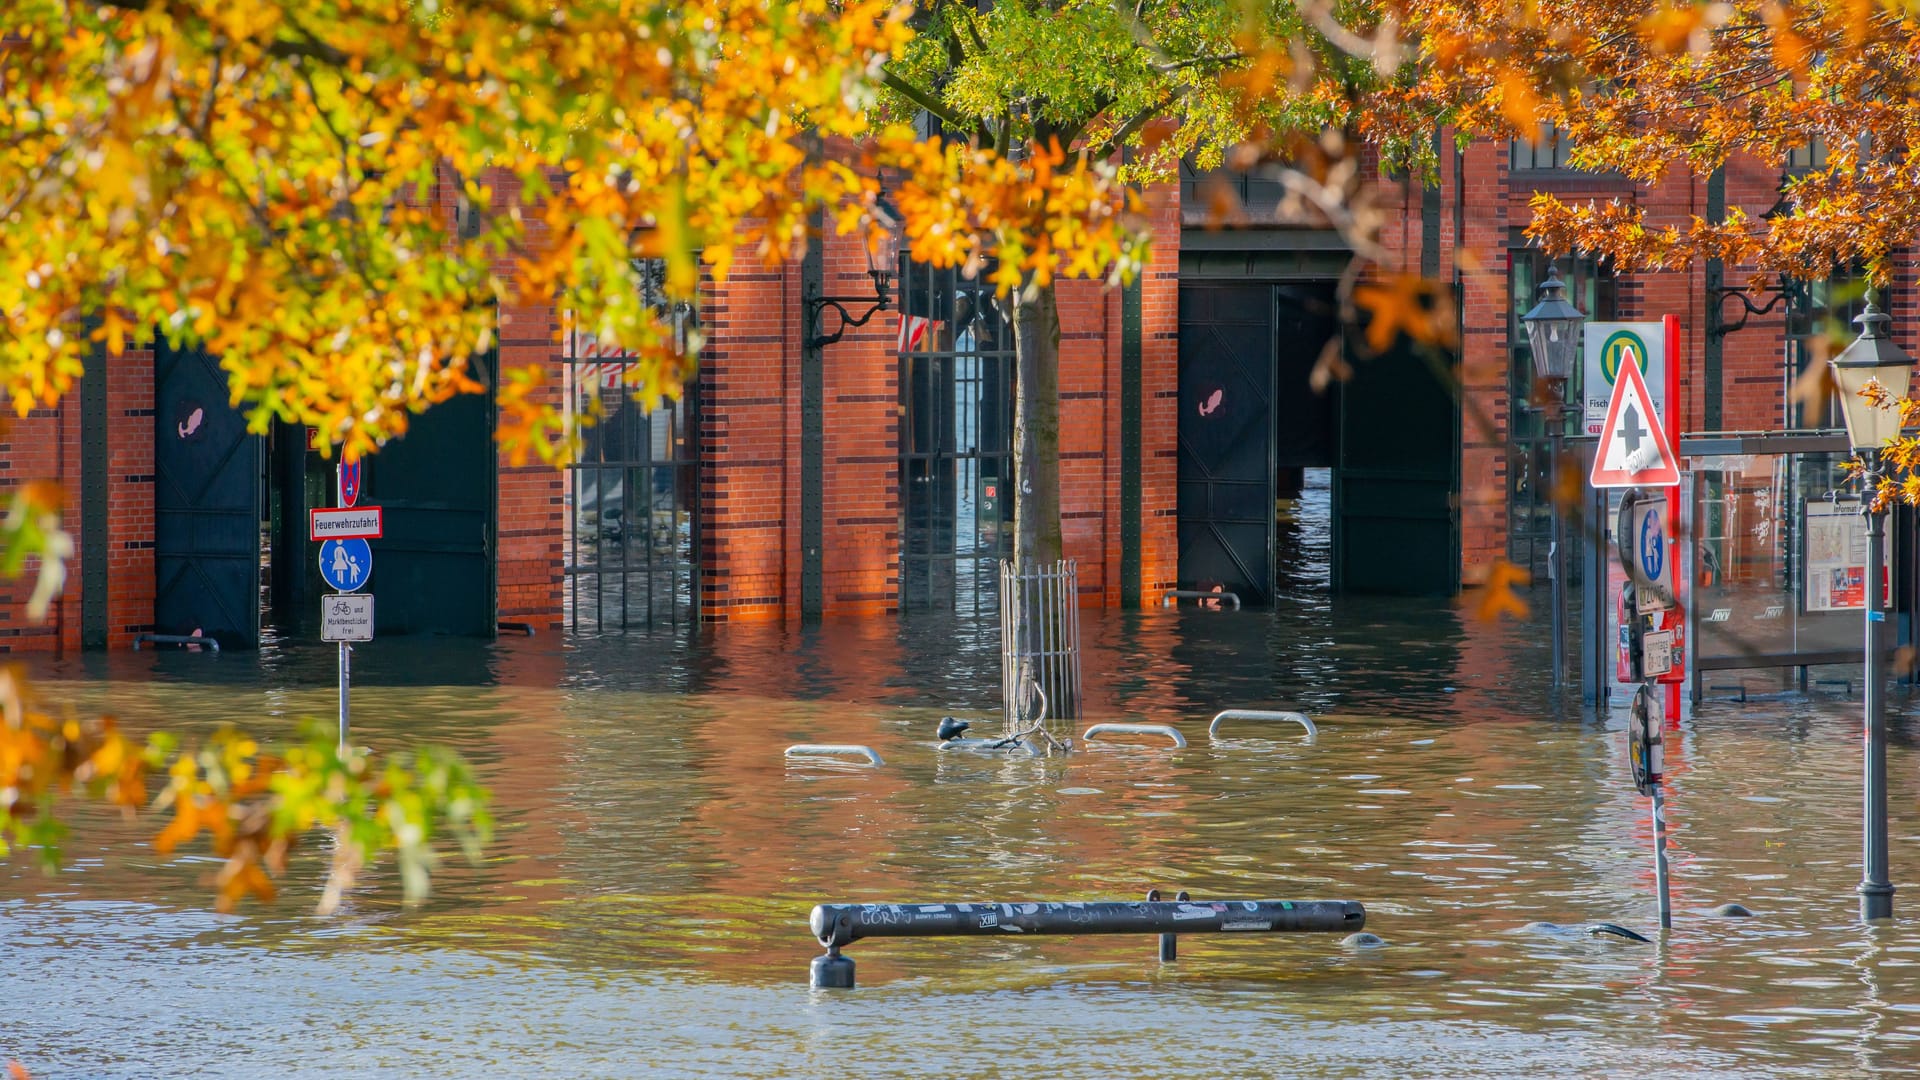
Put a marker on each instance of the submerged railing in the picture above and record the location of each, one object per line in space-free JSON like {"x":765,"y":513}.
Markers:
{"x":839,"y":925}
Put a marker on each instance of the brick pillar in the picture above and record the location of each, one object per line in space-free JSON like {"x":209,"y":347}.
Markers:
{"x":530,"y":514}
{"x":1485,"y":353}
{"x":749,"y":447}
{"x":1160,"y":398}
{"x":130,"y":477}
{"x":861,"y":519}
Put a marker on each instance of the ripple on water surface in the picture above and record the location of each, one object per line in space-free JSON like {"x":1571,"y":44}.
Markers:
{"x":646,"y":897}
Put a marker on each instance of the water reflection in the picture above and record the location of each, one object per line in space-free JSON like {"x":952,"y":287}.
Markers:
{"x":646,"y":899}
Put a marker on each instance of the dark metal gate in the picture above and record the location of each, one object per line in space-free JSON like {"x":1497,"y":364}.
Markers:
{"x":956,"y":449}
{"x":433,"y":565}
{"x":1226,"y":459}
{"x":207,"y":502}
{"x":633,"y":526}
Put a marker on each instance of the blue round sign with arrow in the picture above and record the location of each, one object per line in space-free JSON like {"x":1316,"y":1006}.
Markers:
{"x":1653,"y":547}
{"x":346,"y":564}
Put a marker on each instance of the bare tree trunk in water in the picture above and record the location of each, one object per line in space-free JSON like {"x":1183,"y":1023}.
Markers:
{"x":1036,"y":428}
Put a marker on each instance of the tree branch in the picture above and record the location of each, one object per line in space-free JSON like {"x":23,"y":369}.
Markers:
{"x":1134,"y":123}
{"x":925,"y":99}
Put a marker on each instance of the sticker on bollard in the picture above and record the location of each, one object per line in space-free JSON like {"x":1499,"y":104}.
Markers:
{"x":346,"y":617}
{"x":345,"y":565}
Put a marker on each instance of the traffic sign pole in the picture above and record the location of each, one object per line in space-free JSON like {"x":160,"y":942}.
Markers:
{"x":1660,"y":856}
{"x":346,"y":562}
{"x":346,"y":664}
{"x":1682,"y":589}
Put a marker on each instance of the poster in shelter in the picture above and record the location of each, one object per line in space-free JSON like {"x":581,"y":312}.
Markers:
{"x":1836,"y":557}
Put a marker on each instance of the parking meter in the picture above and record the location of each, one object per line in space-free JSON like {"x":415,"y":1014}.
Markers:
{"x":1644,"y":751}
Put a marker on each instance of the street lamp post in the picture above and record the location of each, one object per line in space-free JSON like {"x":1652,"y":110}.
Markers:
{"x":1553,"y":329}
{"x":1873,"y":357}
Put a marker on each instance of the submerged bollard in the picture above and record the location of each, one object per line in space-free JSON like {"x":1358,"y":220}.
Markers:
{"x":839,"y":925}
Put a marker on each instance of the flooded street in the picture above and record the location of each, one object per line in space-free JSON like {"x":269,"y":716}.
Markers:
{"x":643,"y":907}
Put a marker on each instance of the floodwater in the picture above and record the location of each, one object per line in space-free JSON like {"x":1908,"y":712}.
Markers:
{"x":643,"y":909}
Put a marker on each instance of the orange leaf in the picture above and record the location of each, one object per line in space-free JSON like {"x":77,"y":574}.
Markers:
{"x":1500,"y":599}
{"x":1520,"y":105}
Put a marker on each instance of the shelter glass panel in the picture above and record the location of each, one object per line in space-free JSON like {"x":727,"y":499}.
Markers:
{"x":1780,"y":558}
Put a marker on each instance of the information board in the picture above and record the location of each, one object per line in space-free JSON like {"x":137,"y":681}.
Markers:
{"x":1836,"y":563}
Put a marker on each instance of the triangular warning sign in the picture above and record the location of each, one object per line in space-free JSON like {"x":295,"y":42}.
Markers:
{"x":1634,"y":451}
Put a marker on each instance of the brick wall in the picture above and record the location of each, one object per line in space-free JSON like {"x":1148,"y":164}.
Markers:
{"x":749,"y":434}
{"x":45,"y":446}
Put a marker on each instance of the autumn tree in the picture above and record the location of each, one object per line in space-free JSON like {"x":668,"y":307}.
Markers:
{"x":335,"y":196}
{"x":1022,"y":89}
{"x":264,"y":179}
{"x":1682,"y":89}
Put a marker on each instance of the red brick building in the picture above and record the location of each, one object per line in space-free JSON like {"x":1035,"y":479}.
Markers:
{"x":864,"y":475}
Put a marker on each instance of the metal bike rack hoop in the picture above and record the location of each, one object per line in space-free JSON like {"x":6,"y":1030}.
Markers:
{"x":834,"y":750}
{"x":1179,"y":740}
{"x":1261,"y":714}
{"x":185,"y":641}
{"x":1173,"y":596}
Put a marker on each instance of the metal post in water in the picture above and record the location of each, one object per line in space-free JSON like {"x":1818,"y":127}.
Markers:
{"x":831,"y":971}
{"x":1557,"y":545}
{"x":345,"y":664}
{"x":1876,"y":891}
{"x":1660,"y":856}
{"x":1169,"y":943}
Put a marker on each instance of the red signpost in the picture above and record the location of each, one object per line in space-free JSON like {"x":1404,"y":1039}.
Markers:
{"x":1683,"y":587}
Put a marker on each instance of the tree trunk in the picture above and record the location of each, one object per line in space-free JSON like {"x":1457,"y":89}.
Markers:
{"x":1036,"y":428}
{"x":1041,"y":634}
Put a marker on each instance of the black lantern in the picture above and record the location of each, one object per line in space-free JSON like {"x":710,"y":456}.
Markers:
{"x":1553,"y":328}
{"x":1872,"y":357}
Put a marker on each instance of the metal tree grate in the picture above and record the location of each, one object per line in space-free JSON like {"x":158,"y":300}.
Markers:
{"x":1040,"y":647}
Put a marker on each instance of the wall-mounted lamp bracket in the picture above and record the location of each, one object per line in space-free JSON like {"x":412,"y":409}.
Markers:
{"x":1717,"y":295}
{"x":818,"y":305}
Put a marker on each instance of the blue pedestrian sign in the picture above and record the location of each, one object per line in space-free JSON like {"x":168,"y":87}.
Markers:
{"x":1653,"y":545}
{"x":346,"y":564}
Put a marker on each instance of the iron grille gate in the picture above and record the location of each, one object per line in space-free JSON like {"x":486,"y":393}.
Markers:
{"x":956,"y":440}
{"x":632,"y":530}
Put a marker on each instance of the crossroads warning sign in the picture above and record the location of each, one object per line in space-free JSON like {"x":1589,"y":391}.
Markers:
{"x":1634,"y":451}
